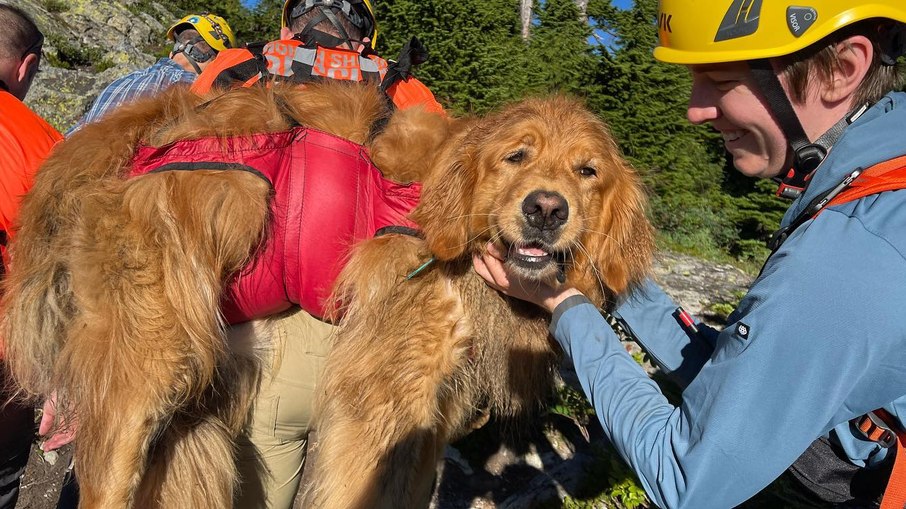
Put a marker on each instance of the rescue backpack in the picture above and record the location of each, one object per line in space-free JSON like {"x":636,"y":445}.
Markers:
{"x":819,"y":468}
{"x":293,"y":62}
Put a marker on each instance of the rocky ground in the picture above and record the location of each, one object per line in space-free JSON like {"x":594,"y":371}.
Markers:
{"x":558,"y":458}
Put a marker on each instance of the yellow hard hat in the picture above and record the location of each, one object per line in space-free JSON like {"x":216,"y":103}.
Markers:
{"x":359,"y":12}
{"x":712,"y":31}
{"x":213,"y":29}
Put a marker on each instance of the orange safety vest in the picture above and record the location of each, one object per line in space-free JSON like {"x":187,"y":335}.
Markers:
{"x":290,"y":60}
{"x":25,"y":142}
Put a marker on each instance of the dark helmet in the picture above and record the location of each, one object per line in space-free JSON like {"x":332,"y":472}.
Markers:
{"x":358,"y":12}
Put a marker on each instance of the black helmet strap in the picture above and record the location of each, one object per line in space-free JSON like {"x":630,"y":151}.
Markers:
{"x":807,"y":155}
{"x":192,"y":52}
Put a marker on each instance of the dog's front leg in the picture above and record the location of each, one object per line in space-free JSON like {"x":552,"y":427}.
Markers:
{"x":389,"y":400}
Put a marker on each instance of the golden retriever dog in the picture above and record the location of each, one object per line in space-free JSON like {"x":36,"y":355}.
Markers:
{"x":113,"y":300}
{"x":426,"y":350}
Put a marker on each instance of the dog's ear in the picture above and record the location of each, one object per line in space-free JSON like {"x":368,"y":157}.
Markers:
{"x":444,"y":213}
{"x":622,"y":252}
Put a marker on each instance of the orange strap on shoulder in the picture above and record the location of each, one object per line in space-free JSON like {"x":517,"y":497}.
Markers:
{"x":408,"y":93}
{"x":887,"y":176}
{"x":224,"y":60}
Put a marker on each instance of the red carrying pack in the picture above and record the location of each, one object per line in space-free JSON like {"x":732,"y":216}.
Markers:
{"x":328,"y":195}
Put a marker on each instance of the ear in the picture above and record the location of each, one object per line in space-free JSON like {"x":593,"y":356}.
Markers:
{"x":22,"y":75}
{"x":444,"y":212}
{"x":622,"y":252}
{"x":854,"y":55}
{"x":286,"y":33}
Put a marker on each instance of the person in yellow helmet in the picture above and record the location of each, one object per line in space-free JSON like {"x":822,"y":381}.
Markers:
{"x":196,"y":39}
{"x":213,"y":29}
{"x":808,"y":378}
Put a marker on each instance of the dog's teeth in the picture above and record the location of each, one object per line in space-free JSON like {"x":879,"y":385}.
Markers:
{"x":532,"y":251}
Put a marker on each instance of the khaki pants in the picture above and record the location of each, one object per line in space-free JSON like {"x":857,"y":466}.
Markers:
{"x":272,"y":453}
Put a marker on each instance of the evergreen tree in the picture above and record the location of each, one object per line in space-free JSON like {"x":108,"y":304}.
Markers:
{"x":477,"y":58}
{"x":560,"y":50}
{"x":698,"y":201}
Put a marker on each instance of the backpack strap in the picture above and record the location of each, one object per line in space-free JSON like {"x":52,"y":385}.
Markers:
{"x":881,"y":427}
{"x":413,"y":53}
{"x":887,"y":176}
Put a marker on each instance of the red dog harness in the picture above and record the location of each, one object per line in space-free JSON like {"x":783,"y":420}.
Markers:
{"x":327,"y":196}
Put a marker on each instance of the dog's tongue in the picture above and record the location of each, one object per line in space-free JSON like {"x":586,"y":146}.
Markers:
{"x":532,"y":251}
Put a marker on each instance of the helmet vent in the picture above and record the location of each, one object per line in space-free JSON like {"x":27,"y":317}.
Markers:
{"x":740,"y":20}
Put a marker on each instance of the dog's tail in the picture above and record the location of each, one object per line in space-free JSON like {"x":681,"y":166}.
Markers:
{"x":37,"y":302}
{"x":148,"y":262}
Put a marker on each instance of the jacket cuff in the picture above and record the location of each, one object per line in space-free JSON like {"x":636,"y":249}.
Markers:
{"x":567,"y":304}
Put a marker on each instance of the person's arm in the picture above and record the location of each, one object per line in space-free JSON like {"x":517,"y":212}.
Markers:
{"x":801,"y":357}
{"x":648,"y":315}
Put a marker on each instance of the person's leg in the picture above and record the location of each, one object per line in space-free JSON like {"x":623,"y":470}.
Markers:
{"x":272,"y":452}
{"x":17,"y":432}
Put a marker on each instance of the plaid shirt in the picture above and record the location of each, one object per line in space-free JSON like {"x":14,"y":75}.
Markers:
{"x":162,"y":74}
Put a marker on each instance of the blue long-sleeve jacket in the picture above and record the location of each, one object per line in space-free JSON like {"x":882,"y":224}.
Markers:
{"x":819,"y":339}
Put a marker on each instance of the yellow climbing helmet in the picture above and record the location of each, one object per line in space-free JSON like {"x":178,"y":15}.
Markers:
{"x":712,"y":31}
{"x":213,"y":29}
{"x":359,"y":12}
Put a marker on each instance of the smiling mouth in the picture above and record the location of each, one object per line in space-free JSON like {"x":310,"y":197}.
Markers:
{"x":533,"y":256}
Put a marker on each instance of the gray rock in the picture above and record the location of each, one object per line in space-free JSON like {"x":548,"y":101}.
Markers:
{"x":108,"y":40}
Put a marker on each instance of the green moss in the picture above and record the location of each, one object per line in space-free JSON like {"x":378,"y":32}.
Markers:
{"x":609,"y":483}
{"x":55,"y":6}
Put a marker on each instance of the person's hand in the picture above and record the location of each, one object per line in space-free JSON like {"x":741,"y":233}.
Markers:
{"x":490,"y":267}
{"x":63,"y":431}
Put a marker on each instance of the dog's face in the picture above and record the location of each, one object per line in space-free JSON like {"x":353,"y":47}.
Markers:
{"x":545,"y":180}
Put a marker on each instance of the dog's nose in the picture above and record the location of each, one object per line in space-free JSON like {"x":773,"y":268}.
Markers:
{"x":545,"y":210}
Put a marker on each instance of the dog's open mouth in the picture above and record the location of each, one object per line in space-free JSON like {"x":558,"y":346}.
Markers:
{"x":530,"y":256}
{"x":535,"y":260}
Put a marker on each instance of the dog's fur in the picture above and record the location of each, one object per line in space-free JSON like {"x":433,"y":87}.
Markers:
{"x":113,"y":294}
{"x":420,"y":358}
{"x":113,"y":297}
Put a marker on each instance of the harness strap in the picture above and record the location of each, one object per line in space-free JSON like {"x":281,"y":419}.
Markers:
{"x":887,"y":176}
{"x":413,"y":54}
{"x":880,"y":426}
{"x":883,"y":428}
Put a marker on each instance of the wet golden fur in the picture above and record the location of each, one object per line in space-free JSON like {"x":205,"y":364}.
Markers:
{"x":112,"y":301}
{"x":418,"y":361}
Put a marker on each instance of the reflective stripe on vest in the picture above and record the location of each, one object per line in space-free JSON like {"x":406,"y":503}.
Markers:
{"x":291,"y":60}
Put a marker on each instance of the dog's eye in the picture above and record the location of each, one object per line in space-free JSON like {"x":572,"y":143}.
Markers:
{"x":587,"y":171}
{"x":515,"y":157}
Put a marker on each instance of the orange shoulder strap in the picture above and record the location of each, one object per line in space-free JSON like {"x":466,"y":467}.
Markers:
{"x":886,"y":176}
{"x":225,"y":60}
{"x":411,"y":92}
